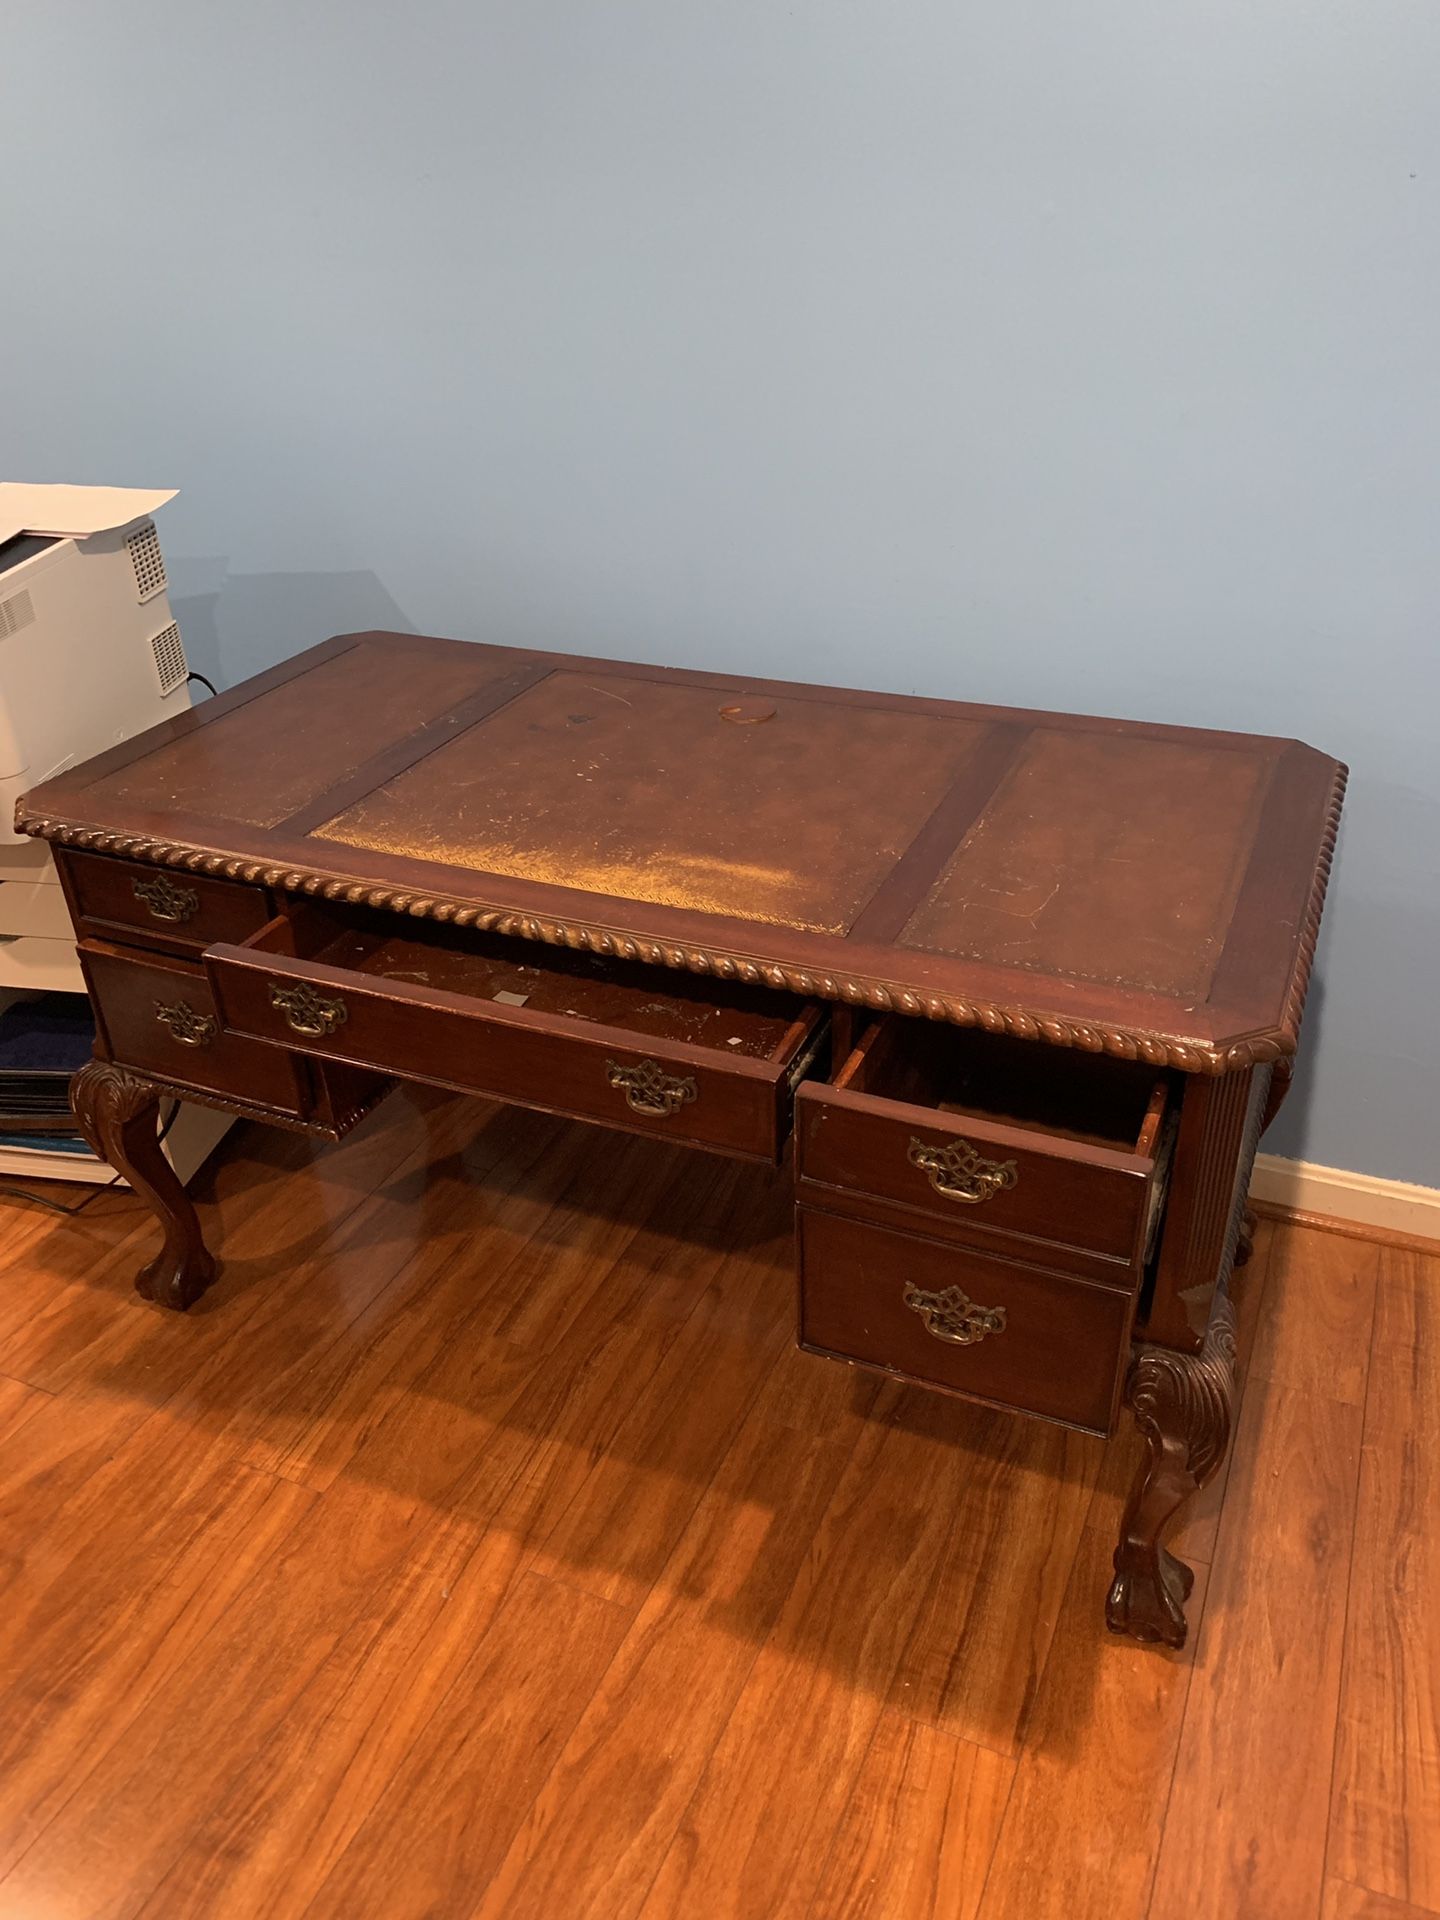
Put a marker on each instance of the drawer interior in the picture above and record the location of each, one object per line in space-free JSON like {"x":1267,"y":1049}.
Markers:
{"x":1089,"y":1098}
{"x":747,"y":1023}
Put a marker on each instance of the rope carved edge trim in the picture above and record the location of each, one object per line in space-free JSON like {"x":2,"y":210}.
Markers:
{"x":116,"y":1093}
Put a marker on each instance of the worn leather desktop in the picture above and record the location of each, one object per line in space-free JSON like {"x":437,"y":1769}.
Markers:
{"x":1024,"y":987}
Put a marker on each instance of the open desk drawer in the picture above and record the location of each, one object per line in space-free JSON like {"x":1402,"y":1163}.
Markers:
{"x":156,"y":1013}
{"x":632,"y":1046}
{"x":1026,"y":1150}
{"x":975,"y":1213}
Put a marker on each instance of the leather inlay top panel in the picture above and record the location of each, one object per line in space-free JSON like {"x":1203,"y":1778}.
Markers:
{"x":632,"y":787}
{"x":1093,"y":860}
{"x":264,"y":760}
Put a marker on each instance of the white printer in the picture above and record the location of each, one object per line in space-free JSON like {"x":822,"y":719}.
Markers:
{"x":89,"y":655}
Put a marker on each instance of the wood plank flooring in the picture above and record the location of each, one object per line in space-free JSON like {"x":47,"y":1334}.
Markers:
{"x":482,"y":1548}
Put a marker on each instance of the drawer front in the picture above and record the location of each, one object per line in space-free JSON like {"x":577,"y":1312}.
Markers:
{"x":629,"y":1081}
{"x":943,"y":1316}
{"x":179,"y":912}
{"x":159,"y":1017}
{"x":983,"y":1181}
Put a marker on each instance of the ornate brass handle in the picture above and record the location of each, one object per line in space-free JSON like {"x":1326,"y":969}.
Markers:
{"x":648,"y":1089}
{"x":308,"y":1012}
{"x":954,"y":1316}
{"x":958,"y":1172}
{"x":184,"y":1024}
{"x":165,"y":900}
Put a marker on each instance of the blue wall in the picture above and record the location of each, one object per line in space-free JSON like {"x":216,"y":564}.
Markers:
{"x":1031,"y":353}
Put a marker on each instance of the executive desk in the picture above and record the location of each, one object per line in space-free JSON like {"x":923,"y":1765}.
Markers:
{"x":1023,"y":987}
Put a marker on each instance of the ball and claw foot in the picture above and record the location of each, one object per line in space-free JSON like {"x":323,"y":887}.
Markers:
{"x":1147,"y":1599}
{"x":118,"y":1112}
{"x":176,"y":1282}
{"x":1183,"y":1405}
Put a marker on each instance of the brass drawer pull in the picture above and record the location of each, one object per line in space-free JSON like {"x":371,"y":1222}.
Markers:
{"x":958,"y":1172}
{"x":165,"y":900}
{"x":954,"y":1316}
{"x":184,"y":1024}
{"x":648,"y":1089}
{"x":313,"y":1014}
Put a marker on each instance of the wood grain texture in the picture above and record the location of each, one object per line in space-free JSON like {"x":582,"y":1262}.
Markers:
{"x":766,"y":1811}
{"x":179,"y":1529}
{"x":1343,"y":1901}
{"x":712,"y":1370}
{"x":464,"y":1787}
{"x":1320,"y":1301}
{"x":1082,"y":1829}
{"x":308,"y":1620}
{"x":17,"y":1403}
{"x":1386,"y":1813}
{"x":872,"y":1619}
{"x":1259,"y":1726}
{"x":1260,"y":1722}
{"x":276,"y":1828}
{"x":50,"y":1259}
{"x":374,"y":1587}
{"x":917,"y":1835}
{"x":977,"y":1652}
{"x":600,"y":1829}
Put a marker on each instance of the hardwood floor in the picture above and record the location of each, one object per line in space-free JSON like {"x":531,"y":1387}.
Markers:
{"x":481,"y":1546}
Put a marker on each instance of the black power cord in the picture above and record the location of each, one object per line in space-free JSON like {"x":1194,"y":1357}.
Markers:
{"x":59,"y":1206}
{"x":209,"y":685}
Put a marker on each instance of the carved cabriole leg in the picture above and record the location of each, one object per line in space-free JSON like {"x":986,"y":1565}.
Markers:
{"x":1182,"y":1404}
{"x":118,"y":1112}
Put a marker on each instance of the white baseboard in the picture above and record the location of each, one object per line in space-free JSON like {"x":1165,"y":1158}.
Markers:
{"x":1361,"y":1198}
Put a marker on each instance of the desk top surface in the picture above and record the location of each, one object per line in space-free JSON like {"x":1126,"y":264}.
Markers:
{"x":1144,"y":890}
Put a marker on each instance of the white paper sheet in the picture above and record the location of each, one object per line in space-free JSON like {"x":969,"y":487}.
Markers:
{"x":73,"y":512}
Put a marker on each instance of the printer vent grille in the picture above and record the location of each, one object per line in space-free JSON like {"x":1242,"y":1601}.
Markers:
{"x":170,"y":662}
{"x":144,"y":549}
{"x":16,"y":612}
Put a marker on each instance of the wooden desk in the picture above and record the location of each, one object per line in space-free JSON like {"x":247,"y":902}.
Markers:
{"x":1025,"y":987}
